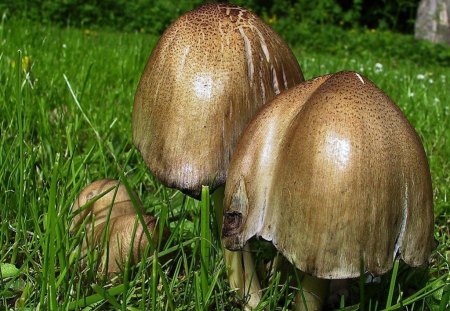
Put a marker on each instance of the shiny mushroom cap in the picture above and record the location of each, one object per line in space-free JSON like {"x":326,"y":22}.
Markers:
{"x":332,"y":173}
{"x":121,"y":244}
{"x":97,"y":201}
{"x":208,"y":75}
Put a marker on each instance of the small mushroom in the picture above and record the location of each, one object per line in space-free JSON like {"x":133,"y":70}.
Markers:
{"x":334,"y":175}
{"x":112,"y":219}
{"x":120,"y":245}
{"x":97,"y":201}
{"x":210,"y":72}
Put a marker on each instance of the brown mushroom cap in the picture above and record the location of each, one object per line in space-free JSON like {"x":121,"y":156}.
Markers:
{"x":119,"y":241}
{"x":103,"y":197}
{"x":208,"y":75}
{"x":332,"y":172}
{"x":104,"y":194}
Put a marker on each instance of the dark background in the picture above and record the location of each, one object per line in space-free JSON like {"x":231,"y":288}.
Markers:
{"x":153,"y":16}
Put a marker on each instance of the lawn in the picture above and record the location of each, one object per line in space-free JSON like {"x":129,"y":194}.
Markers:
{"x":65,"y":120}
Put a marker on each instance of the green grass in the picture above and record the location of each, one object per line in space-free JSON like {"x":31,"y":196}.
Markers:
{"x":65,"y":120}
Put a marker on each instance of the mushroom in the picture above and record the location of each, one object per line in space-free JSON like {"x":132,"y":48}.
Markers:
{"x":125,"y":241}
{"x":334,"y":175}
{"x":110,"y":217}
{"x":210,"y":72}
{"x":97,"y":201}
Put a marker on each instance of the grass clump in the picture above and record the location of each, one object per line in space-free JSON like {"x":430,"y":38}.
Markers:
{"x":65,"y":120}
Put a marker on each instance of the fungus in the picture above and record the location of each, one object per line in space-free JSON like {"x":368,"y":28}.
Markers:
{"x":106,"y":208}
{"x":332,"y":173}
{"x":97,"y":200}
{"x":210,"y":72}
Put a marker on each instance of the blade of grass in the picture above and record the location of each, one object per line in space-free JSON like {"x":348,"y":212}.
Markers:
{"x":205,"y":242}
{"x":444,"y":305}
{"x":105,"y":295}
{"x":75,"y":99}
{"x":49,"y":252}
{"x":198,"y":292}
{"x":392,"y":284}
{"x":88,"y":120}
{"x":424,"y":292}
{"x":92,"y":299}
{"x":214,"y":280}
{"x":20,"y":191}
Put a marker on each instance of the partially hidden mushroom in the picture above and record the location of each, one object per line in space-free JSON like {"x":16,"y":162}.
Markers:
{"x":210,"y":72}
{"x":95,"y":203}
{"x":107,"y":213}
{"x":333,"y":174}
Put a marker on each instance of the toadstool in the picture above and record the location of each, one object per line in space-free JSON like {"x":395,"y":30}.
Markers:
{"x":334,"y":175}
{"x":212,"y":69}
{"x":109,"y":215}
{"x":210,"y":72}
{"x":125,"y":241}
{"x":97,"y":201}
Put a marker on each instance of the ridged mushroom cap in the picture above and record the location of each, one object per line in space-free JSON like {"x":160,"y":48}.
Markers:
{"x":332,"y":173}
{"x":208,"y":75}
{"x":98,"y":199}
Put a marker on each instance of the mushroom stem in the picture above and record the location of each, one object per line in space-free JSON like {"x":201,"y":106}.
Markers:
{"x":311,"y":296}
{"x":242,"y":276}
{"x":240,"y":265}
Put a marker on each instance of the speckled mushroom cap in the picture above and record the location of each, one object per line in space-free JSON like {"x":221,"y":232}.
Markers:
{"x":332,"y":172}
{"x":208,"y":75}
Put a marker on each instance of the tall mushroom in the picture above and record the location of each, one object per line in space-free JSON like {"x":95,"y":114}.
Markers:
{"x":210,"y":72}
{"x":334,"y":175}
{"x":105,"y":208}
{"x":208,"y":75}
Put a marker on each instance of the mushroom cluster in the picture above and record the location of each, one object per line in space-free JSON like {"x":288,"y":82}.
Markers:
{"x":332,"y":173}
{"x":107,"y":213}
{"x":329,"y":170}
